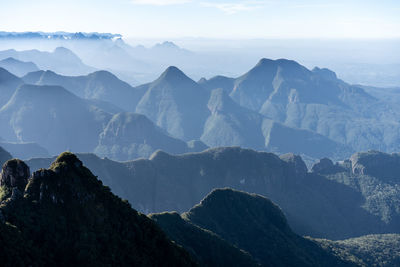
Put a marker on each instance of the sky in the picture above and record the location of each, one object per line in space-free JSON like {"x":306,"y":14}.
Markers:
{"x":238,"y":19}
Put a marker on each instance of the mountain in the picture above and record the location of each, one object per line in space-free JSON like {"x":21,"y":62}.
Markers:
{"x":57,"y":35}
{"x":216,"y":82}
{"x":17,"y":67}
{"x":233,"y":125}
{"x":369,"y":250}
{"x":25,"y":150}
{"x":315,"y":204}
{"x":8,"y":84}
{"x":99,"y":85}
{"x":175,"y":103}
{"x":375,"y":176}
{"x":316,"y":100}
{"x":206,"y":247}
{"x":64,"y":216}
{"x":128,"y":136}
{"x":52,"y":117}
{"x":61,"y":60}
{"x":4,"y":156}
{"x":256,"y":225}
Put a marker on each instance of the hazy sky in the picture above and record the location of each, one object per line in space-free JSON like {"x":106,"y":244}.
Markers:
{"x":207,"y":18}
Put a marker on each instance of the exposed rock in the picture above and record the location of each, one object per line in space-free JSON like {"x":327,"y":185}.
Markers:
{"x":326,"y":166}
{"x":14,"y":174}
{"x":377,"y":164}
{"x":297,"y":162}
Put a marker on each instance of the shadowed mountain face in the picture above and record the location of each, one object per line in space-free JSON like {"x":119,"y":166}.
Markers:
{"x":233,"y":125}
{"x":8,"y":84}
{"x":256,"y":225}
{"x":316,"y":100}
{"x":17,"y":67}
{"x":25,"y":150}
{"x":4,"y":156}
{"x":52,"y":117}
{"x":315,"y":204}
{"x":64,"y":216}
{"x":129,"y":135}
{"x":205,"y":246}
{"x":100,"y":85}
{"x":176,"y":103}
{"x":61,"y":60}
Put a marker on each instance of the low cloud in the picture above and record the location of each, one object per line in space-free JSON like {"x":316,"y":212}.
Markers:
{"x":159,"y":2}
{"x":235,"y":7}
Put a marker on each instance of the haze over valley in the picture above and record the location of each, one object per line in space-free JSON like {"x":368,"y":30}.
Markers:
{"x":195,"y":133}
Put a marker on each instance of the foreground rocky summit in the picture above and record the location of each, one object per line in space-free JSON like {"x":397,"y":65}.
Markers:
{"x":64,"y":216}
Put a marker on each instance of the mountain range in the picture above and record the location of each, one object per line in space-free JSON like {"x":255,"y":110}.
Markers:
{"x":60,"y":60}
{"x":64,"y":216}
{"x":332,"y":201}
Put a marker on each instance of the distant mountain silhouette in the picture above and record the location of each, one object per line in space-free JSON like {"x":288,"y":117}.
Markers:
{"x":128,"y":136}
{"x":99,"y":85}
{"x":61,"y":60}
{"x":53,"y":117}
{"x":25,"y":150}
{"x":176,"y":103}
{"x":4,"y":156}
{"x":8,"y":84}
{"x":316,"y":100}
{"x":17,"y":67}
{"x":233,"y":125}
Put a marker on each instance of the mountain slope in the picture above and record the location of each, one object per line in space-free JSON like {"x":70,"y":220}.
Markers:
{"x":99,"y":85}
{"x":314,"y":204}
{"x":233,"y":125}
{"x":4,"y":156}
{"x":204,"y":246}
{"x":8,"y":84}
{"x":257,"y":225}
{"x":52,"y":117}
{"x":375,"y":176}
{"x":370,"y":250}
{"x":128,"y":136}
{"x":25,"y":150}
{"x":176,"y":103}
{"x":65,"y":216}
{"x":316,"y":100}
{"x":61,"y":60}
{"x":17,"y":67}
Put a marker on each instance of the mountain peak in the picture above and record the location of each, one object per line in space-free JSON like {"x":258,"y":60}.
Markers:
{"x":167,"y":45}
{"x":325,"y":73}
{"x":172,"y":73}
{"x":6,"y":76}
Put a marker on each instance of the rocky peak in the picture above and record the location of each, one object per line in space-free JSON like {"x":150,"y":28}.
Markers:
{"x":297,"y":163}
{"x":173,"y":74}
{"x":14,"y":174}
{"x":326,"y":166}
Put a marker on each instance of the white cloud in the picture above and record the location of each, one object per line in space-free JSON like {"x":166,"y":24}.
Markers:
{"x":232,"y":8}
{"x":159,"y":2}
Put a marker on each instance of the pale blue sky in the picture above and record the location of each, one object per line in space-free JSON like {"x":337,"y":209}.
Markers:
{"x":207,"y":18}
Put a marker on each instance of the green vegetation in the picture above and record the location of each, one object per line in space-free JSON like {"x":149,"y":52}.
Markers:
{"x":370,"y":250}
{"x":66,"y":217}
